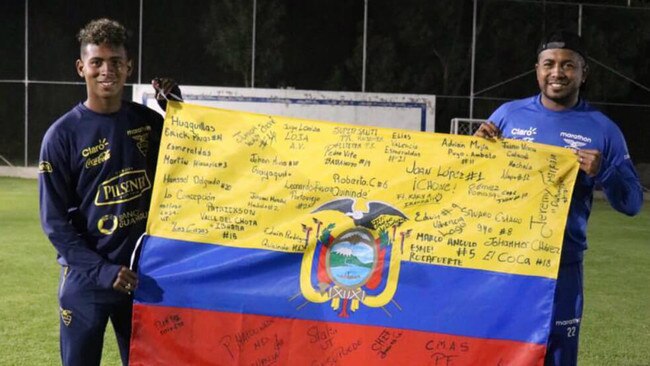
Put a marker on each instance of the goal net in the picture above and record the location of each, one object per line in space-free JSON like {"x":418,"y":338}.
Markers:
{"x":465,"y":126}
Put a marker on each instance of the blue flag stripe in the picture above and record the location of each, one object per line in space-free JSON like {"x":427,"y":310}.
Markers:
{"x":431,"y":298}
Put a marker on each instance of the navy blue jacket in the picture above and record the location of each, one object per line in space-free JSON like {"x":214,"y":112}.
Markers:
{"x":95,"y":180}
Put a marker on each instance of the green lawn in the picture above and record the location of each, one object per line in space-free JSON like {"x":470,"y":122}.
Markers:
{"x":616,"y":322}
{"x":29,"y":323}
{"x":615,"y":331}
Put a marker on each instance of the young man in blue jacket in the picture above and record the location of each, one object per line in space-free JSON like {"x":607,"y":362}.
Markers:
{"x":558,"y":116}
{"x":96,"y":173}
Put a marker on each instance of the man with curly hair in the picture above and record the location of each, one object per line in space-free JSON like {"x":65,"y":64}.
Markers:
{"x":97,"y":163}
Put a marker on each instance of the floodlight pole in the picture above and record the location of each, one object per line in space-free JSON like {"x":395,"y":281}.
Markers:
{"x":580,"y":20}
{"x":253,"y":45}
{"x":471,"y":82}
{"x":365,"y":42}
{"x":140,"y":45}
{"x":26,"y":82}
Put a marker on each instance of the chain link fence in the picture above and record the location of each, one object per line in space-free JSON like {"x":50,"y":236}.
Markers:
{"x":318,"y":46}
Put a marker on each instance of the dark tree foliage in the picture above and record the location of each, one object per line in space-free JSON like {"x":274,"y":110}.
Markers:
{"x":413,"y":46}
{"x":227,"y":29}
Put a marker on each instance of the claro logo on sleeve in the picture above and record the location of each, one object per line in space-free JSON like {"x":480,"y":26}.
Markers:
{"x":125,"y":187}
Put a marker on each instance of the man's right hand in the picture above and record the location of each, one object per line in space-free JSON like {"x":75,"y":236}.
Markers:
{"x":488,"y":130}
{"x":126,"y":281}
{"x":166,"y":89}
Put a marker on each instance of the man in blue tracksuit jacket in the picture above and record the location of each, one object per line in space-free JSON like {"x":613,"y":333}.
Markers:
{"x":96,"y":173}
{"x":558,"y":116}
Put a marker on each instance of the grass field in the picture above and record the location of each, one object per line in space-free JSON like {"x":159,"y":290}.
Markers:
{"x":615,"y":330}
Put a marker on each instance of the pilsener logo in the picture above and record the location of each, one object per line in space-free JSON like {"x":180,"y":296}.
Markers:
{"x":125,"y":187}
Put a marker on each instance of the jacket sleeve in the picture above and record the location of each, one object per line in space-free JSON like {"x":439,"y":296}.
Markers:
{"x":622,"y":188}
{"x":58,"y":201}
{"x":618,"y":177}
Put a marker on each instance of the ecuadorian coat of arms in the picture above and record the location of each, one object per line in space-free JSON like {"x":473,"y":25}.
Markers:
{"x":357,"y":265}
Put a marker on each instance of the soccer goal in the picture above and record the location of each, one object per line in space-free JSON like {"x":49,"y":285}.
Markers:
{"x":406,"y":111}
{"x":465,"y":126}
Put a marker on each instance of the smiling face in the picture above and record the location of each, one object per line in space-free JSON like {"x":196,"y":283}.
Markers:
{"x":560,"y":73}
{"x":105,"y":68}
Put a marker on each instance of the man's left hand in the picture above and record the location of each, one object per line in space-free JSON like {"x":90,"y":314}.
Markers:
{"x":126,"y":281}
{"x":589,"y":161}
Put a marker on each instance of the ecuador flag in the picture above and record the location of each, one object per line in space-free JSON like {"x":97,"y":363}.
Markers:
{"x":280,"y":241}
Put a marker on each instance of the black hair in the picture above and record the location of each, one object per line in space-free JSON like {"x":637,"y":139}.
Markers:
{"x":103,"y":30}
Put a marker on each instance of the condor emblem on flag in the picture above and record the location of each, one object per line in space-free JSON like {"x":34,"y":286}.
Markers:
{"x":360,"y":245}
{"x":350,"y":268}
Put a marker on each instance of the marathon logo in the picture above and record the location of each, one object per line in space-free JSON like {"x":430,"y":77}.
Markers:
{"x":573,"y":136}
{"x":141,"y":137}
{"x":574,"y":141}
{"x":123,"y":188}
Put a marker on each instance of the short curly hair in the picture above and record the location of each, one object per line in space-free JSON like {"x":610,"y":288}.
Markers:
{"x":103,"y":30}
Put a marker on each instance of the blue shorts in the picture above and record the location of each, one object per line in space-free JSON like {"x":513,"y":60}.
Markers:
{"x":562,"y":346}
{"x":84,"y":310}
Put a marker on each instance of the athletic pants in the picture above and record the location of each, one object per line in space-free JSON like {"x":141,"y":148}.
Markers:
{"x":562,"y":347}
{"x":84,"y":311}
